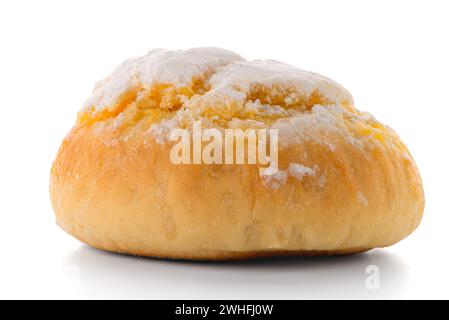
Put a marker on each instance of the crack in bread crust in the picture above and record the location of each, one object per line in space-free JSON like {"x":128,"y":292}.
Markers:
{"x":222,"y":87}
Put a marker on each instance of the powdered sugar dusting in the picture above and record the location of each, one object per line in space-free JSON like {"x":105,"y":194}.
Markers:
{"x":241,"y":75}
{"x":299,"y":171}
{"x":320,"y":126}
{"x":158,"y":66}
{"x":234,"y":92}
{"x":278,"y":177}
{"x":231,"y":76}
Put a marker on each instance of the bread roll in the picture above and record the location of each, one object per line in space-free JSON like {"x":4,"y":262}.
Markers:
{"x":345,"y":183}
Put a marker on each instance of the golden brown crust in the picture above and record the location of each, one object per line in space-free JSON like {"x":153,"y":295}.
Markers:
{"x":124,"y":195}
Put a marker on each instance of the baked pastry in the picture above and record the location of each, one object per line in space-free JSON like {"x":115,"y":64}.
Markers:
{"x":345,"y":183}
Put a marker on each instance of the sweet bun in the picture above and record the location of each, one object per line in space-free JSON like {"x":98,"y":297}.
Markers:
{"x":345,"y":184}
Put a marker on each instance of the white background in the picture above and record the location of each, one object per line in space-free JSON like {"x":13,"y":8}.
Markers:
{"x":392,"y":55}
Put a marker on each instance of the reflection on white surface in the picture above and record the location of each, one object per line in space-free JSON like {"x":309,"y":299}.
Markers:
{"x":108,"y":275}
